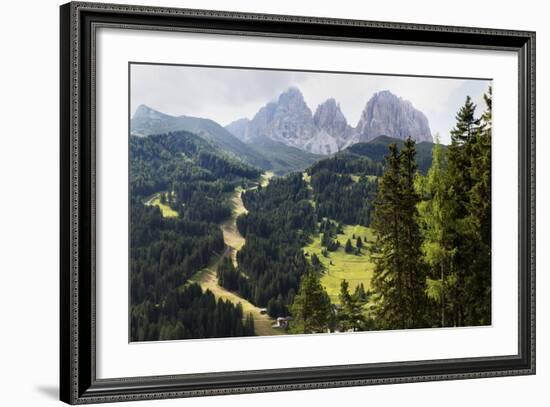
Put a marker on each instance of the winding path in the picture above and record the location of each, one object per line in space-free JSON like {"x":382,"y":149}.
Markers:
{"x":234,"y":241}
{"x":231,"y":235}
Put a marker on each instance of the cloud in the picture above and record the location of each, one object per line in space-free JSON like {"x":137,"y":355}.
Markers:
{"x":220,"y":94}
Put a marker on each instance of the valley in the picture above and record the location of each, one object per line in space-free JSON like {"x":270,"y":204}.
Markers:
{"x":268,"y":226}
{"x":207,"y":278}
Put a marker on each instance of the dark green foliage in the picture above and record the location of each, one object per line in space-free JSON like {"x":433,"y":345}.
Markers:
{"x":399,"y":279}
{"x":454,"y":220}
{"x":230,"y":278}
{"x":279,"y":221}
{"x":338,"y":197}
{"x":345,"y":163}
{"x":469,"y":178}
{"x":166,"y":252}
{"x":348,"y":248}
{"x":277,"y":307}
{"x":377,"y":150}
{"x":188,"y":313}
{"x":350,"y":314}
{"x":316,"y":263}
{"x":361,"y":294}
{"x":160,"y":162}
{"x":311,"y":309}
{"x":330,"y":242}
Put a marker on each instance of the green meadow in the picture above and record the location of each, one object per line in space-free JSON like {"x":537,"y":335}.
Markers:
{"x":339,"y":265}
{"x":167,"y":212}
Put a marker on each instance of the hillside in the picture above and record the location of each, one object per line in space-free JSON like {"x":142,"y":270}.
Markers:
{"x":266,"y":154}
{"x":147,"y":121}
{"x":180,"y":191}
{"x":283,"y":158}
{"x":377,"y":149}
{"x":209,"y":221}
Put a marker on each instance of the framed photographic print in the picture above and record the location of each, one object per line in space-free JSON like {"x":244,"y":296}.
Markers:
{"x":256,"y":203}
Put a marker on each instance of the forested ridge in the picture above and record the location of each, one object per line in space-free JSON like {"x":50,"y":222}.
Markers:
{"x":279,"y":220}
{"x":194,"y":180}
{"x":427,"y":205}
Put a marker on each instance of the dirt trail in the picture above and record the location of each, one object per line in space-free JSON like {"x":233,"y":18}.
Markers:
{"x":234,"y":241}
{"x":231,"y":235}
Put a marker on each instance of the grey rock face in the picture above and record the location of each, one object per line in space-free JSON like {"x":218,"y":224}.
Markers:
{"x":239,"y":128}
{"x":388,"y":115}
{"x":330,"y":120}
{"x":290,"y":121}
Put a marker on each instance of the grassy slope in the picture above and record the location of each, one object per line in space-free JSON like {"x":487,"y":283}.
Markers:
{"x":208,"y":280}
{"x":167,"y":212}
{"x":355,"y":269}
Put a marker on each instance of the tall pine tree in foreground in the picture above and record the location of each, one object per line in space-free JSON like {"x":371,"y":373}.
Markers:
{"x":435,"y":222}
{"x":399,"y":276}
{"x":478,"y":222}
{"x":466,"y":228}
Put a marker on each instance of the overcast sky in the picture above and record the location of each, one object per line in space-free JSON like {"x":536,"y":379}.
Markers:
{"x":228,"y":94}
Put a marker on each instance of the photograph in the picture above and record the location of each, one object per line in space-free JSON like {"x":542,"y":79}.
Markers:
{"x":278,"y":202}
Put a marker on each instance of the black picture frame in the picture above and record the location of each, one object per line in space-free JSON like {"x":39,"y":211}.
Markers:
{"x":78,"y":382}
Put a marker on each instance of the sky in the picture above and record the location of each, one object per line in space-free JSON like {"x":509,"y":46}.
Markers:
{"x":228,"y":94}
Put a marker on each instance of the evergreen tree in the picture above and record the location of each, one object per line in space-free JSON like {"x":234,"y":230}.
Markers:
{"x":466,"y":124}
{"x":350,"y":315}
{"x":249,"y":324}
{"x":316,"y":263}
{"x":398,"y":280}
{"x":468,"y":263}
{"x":360,"y":293}
{"x":348,"y":248}
{"x":435,"y":221}
{"x":359,"y":242}
{"x":478,"y":221}
{"x":311,"y":310}
{"x":413,"y":262}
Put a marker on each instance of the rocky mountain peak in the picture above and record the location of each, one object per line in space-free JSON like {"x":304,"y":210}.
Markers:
{"x":329,"y":116}
{"x":146,"y":118}
{"x":291,"y":95}
{"x":289,"y":120}
{"x":389,"y":115}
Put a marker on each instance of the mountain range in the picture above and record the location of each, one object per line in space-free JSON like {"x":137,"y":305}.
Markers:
{"x":265,"y":154}
{"x":290,"y":121}
{"x":285,"y":136}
